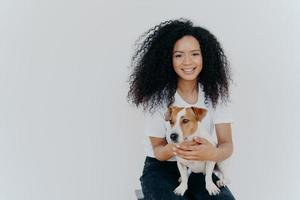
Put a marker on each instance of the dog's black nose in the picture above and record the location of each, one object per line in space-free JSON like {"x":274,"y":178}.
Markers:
{"x":174,"y":136}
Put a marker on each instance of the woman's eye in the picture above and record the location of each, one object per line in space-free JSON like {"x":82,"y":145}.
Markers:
{"x":185,"y":121}
{"x":196,"y":54}
{"x":177,"y":56}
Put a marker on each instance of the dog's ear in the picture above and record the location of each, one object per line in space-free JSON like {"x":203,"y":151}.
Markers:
{"x":199,"y":112}
{"x":169,"y":113}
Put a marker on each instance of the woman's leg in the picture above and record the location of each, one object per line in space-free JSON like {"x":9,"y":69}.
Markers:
{"x":197,"y":190}
{"x":159,"y":179}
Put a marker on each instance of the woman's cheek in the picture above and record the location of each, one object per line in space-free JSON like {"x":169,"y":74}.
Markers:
{"x":177,"y":61}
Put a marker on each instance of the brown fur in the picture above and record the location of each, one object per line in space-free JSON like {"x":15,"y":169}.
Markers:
{"x":188,"y":122}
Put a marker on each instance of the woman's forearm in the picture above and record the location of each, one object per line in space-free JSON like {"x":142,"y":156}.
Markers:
{"x":163,"y":152}
{"x":223,"y":151}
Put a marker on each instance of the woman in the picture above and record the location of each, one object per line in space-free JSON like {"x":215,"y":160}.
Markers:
{"x":179,"y":64}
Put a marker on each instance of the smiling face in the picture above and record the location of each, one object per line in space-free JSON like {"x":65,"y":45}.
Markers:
{"x":183,"y":122}
{"x":187,"y":58}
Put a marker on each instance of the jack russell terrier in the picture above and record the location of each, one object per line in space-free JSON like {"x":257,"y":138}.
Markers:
{"x":183,"y":124}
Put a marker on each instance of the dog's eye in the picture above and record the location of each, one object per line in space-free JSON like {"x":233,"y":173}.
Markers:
{"x":171,"y":122}
{"x":185,"y":121}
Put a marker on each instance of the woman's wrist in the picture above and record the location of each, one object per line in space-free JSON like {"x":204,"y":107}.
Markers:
{"x":170,"y":150}
{"x":222,"y":152}
{"x":215,"y":154}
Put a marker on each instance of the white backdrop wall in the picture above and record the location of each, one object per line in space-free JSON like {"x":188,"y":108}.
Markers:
{"x":66,"y":130}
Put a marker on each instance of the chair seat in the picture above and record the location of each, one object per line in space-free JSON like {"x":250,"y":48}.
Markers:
{"x":139,"y":194}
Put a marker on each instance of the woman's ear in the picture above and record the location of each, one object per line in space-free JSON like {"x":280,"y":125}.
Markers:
{"x":199,"y":112}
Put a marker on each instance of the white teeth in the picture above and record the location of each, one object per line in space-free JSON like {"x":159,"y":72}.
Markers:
{"x":187,"y":70}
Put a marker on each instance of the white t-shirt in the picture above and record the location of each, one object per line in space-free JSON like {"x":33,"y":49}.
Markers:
{"x":155,"y":123}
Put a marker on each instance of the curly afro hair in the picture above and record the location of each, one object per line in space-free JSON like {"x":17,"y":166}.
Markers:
{"x":153,"y":81}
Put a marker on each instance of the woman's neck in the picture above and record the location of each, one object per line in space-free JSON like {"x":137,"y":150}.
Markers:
{"x":187,"y":88}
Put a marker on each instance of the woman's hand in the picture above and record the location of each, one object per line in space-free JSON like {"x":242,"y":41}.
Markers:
{"x":198,"y":149}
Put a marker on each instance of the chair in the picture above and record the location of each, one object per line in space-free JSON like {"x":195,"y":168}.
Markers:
{"x":139,"y":194}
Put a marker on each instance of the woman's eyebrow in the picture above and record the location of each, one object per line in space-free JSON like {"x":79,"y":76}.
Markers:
{"x":183,"y":52}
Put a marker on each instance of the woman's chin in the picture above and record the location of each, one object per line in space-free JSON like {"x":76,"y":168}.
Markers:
{"x":188,"y":77}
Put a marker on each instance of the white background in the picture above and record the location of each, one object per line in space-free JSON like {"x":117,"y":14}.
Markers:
{"x":66,"y":130}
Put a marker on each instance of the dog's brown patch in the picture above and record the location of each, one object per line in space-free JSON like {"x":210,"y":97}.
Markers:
{"x":189,"y":123}
{"x":199,"y":112}
{"x":171,"y":114}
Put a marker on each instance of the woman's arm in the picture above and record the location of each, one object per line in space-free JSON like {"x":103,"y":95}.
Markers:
{"x":162,"y":150}
{"x":225,"y":145}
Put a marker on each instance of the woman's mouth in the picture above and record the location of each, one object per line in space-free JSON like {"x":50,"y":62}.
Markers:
{"x":189,"y":70}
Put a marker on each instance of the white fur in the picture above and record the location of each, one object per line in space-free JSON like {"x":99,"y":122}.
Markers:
{"x":187,"y":166}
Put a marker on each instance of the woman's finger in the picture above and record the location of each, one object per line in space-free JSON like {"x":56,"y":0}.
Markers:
{"x":188,"y":157}
{"x":184,"y":147}
{"x":186,"y":144}
{"x":201,"y":140}
{"x":180,"y":151}
{"x":189,"y":147}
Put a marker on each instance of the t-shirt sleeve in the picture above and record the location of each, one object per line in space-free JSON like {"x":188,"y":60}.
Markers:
{"x":155,"y":124}
{"x":222,"y":113}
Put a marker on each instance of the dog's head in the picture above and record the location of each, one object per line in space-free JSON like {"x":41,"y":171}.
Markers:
{"x":183,"y":122}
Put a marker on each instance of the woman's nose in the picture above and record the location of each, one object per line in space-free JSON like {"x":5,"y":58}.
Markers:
{"x":186,"y":60}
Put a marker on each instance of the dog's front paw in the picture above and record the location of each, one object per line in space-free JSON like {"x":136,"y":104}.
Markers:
{"x":212,"y":189}
{"x":180,"y":190}
{"x":222,"y":182}
{"x":179,"y":179}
